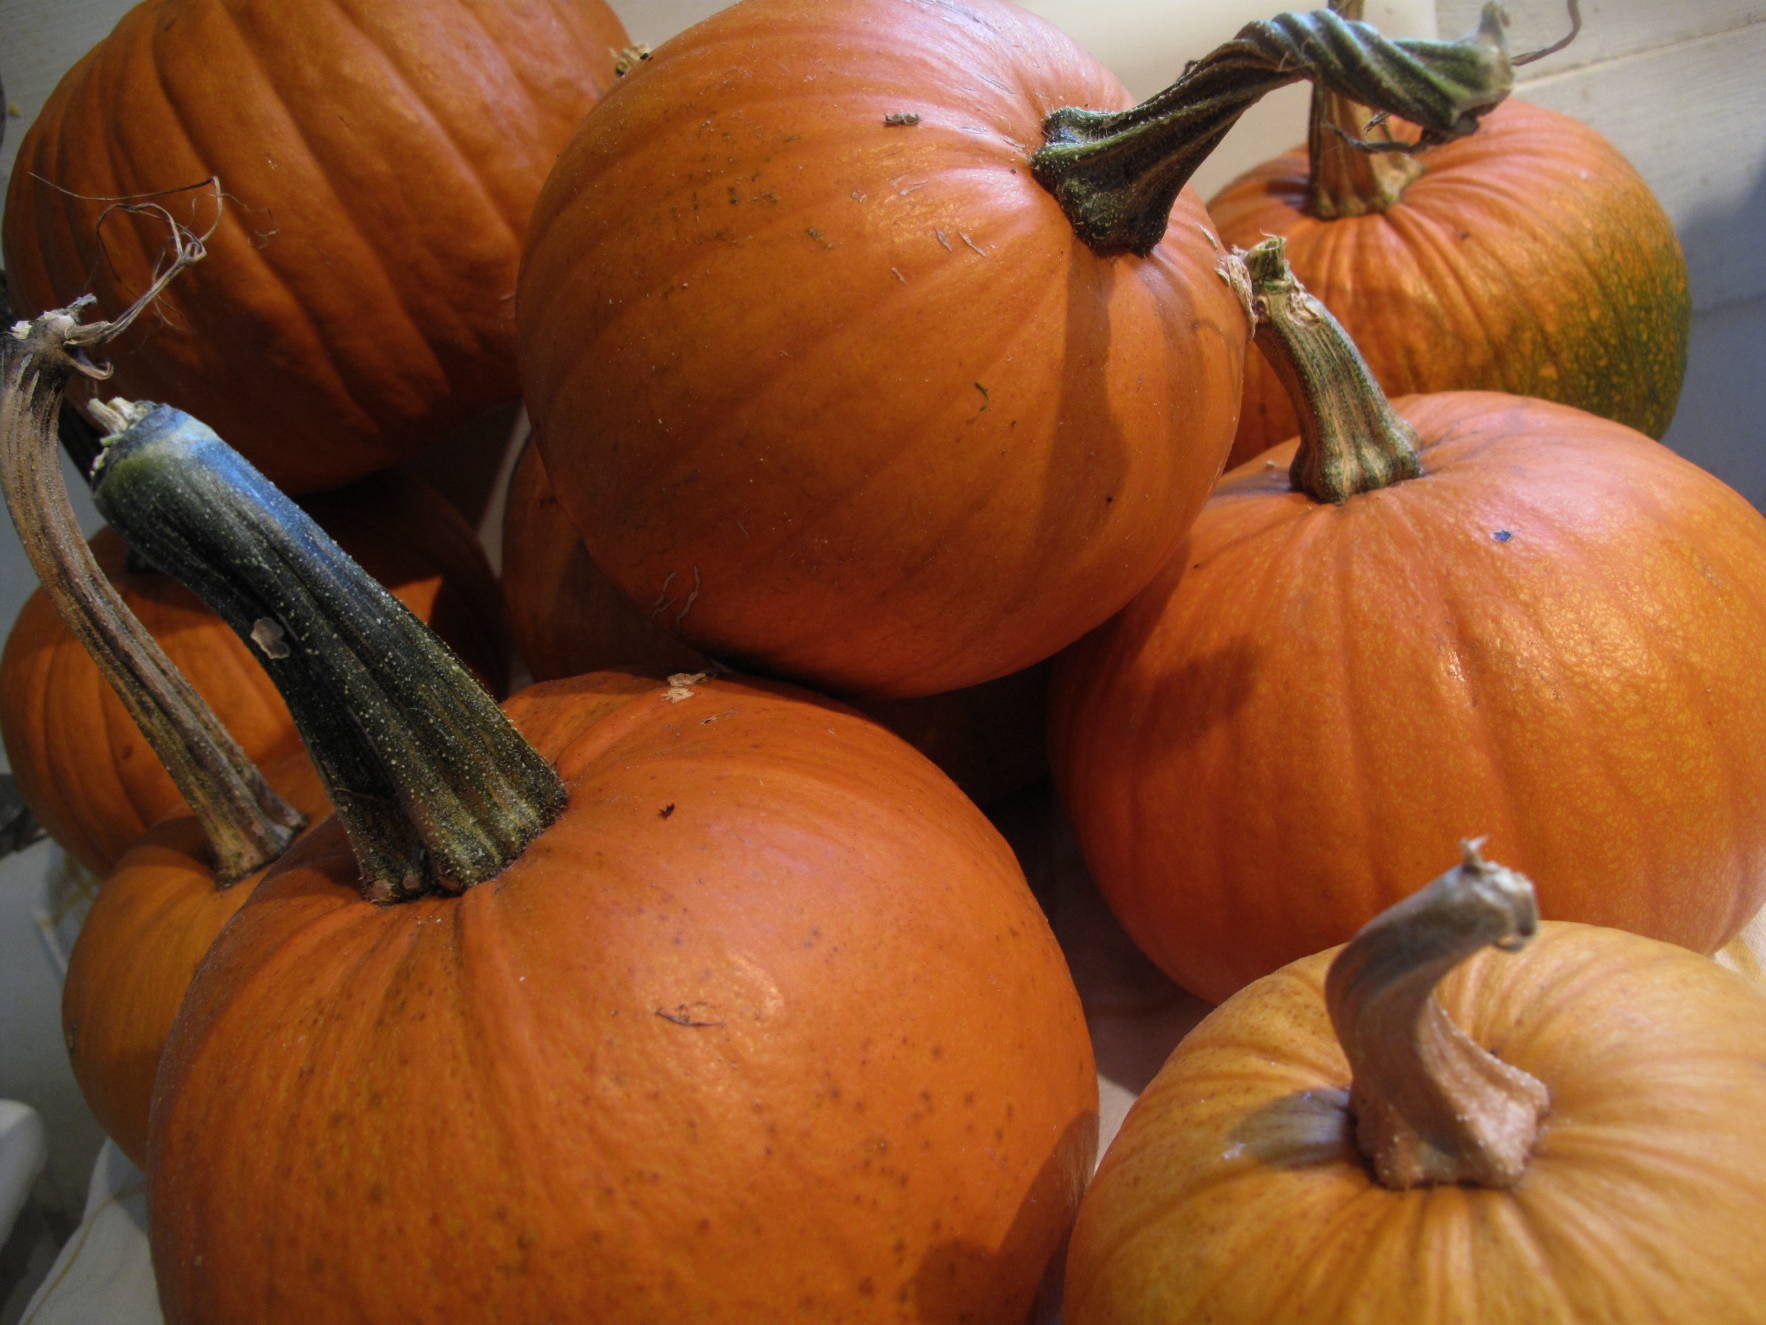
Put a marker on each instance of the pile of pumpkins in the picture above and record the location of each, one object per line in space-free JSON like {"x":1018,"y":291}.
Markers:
{"x":904,"y":431}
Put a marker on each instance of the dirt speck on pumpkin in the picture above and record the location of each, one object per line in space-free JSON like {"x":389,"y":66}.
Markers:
{"x":680,"y":686}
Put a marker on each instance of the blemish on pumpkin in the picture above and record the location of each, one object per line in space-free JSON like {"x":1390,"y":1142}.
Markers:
{"x":985,"y":399}
{"x":680,"y":686}
{"x":939,"y":235}
{"x":1501,"y":535}
{"x":682,"y":1015}
{"x":666,"y":810}
{"x":901,"y":118}
{"x":270,"y":638}
{"x":818,"y":236}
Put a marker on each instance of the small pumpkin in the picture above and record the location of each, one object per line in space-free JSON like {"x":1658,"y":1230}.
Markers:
{"x":1434,"y":262}
{"x":1415,"y":1127}
{"x":642,"y":967}
{"x":879,"y":344}
{"x":150,"y":924}
{"x":568,"y":619}
{"x":82,"y":764}
{"x":1553,"y":629}
{"x":152,"y":921}
{"x":372,"y":167}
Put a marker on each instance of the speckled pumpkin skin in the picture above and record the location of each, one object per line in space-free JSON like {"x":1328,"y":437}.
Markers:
{"x":1529,"y":257}
{"x":767,"y":1025}
{"x":1551,"y":638}
{"x":1233,"y":1192}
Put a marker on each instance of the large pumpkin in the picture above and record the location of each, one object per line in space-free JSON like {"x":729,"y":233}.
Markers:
{"x":1552,"y":634}
{"x":568,"y":619}
{"x":1436,"y":264}
{"x":81,"y":763}
{"x":683,"y":1000}
{"x":1338,"y":1145}
{"x":823,"y":368}
{"x":376,"y":162}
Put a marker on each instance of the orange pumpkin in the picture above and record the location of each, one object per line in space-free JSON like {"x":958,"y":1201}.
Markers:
{"x":151,"y":923}
{"x":376,"y":164}
{"x":1553,"y":632}
{"x":83,"y":766}
{"x":865,"y":344}
{"x":1338,"y":1144}
{"x":568,"y":619}
{"x":699,"y":965}
{"x":1436,"y":264}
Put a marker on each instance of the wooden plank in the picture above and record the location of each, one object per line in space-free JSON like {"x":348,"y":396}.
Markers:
{"x":1610,"y":28}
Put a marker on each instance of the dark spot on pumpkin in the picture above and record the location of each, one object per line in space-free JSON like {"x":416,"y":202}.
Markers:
{"x":901,"y":118}
{"x":667,"y":810}
{"x":1501,"y":535}
{"x":866,"y":1287}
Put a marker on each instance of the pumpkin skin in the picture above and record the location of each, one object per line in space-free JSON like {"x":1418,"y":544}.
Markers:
{"x":1445,"y":290}
{"x":848,"y":397}
{"x":1234,"y":1191}
{"x":83,"y":766}
{"x":1551,"y":636}
{"x":152,"y":921}
{"x":568,"y":618}
{"x":766,"y":1021}
{"x":379,"y":161}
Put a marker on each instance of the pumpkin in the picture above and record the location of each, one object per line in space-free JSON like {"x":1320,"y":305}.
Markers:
{"x":1433,"y":263}
{"x":373,"y":166}
{"x":689,"y":999}
{"x":878,"y":346}
{"x":1564,"y":1133}
{"x":568,"y":618}
{"x":81,"y":762}
{"x":1553,"y":631}
{"x":152,"y":921}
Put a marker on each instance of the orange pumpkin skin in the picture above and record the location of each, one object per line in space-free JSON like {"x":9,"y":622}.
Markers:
{"x":152,"y":921}
{"x":1447,"y":290}
{"x":379,"y":161}
{"x":1551,"y":637}
{"x":847,"y":398}
{"x":568,"y":618}
{"x":83,"y":766}
{"x":766,"y":1022}
{"x":1234,"y":1191}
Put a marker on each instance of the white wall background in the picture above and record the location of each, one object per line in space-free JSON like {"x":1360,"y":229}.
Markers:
{"x":1676,"y":87}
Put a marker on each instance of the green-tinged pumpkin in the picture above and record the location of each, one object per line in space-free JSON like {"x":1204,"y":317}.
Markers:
{"x":1529,"y":258}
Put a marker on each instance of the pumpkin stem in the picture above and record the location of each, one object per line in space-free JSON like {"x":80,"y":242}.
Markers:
{"x":1117,"y":174}
{"x":1431,"y":1106}
{"x":435,"y":787}
{"x":1354,"y":171}
{"x":1351,"y":439}
{"x":246,"y":823}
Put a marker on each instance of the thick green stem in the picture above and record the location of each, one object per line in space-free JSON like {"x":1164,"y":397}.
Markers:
{"x":1351,"y":439}
{"x":1117,"y":174}
{"x":434,"y":785}
{"x":1430,"y":1105}
{"x":1357,"y":166}
{"x":246,"y":823}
